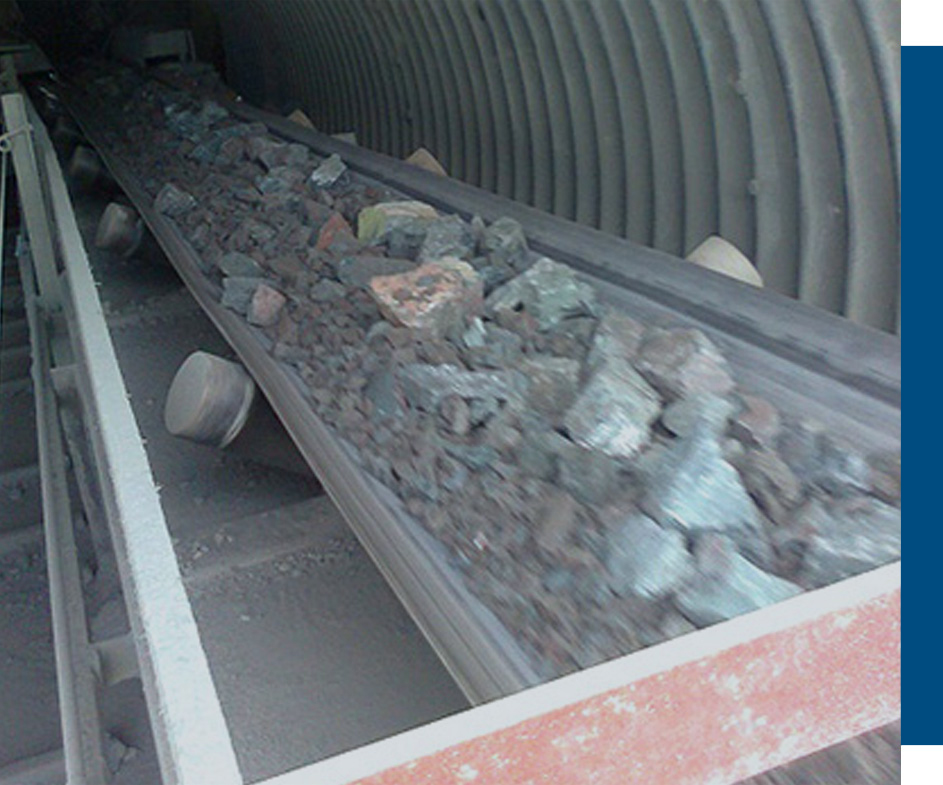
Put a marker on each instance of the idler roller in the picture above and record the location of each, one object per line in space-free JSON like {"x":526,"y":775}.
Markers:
{"x":120,"y":230}
{"x":214,"y":401}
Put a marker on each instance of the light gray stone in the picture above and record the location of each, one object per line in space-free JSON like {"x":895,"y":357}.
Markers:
{"x":617,"y":337}
{"x":548,"y":291}
{"x":476,"y":335}
{"x":448,"y":236}
{"x":614,"y":411}
{"x":425,"y":386}
{"x":848,"y":537}
{"x":173,"y":201}
{"x":359,"y":270}
{"x":645,"y":559}
{"x":238,"y":292}
{"x":695,"y":489}
{"x":504,"y":242}
{"x":553,"y":383}
{"x":239,"y":265}
{"x":740,"y":588}
{"x":329,"y":172}
{"x":682,"y":416}
{"x":842,"y":467}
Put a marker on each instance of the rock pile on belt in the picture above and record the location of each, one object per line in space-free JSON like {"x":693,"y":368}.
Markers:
{"x":603,"y":484}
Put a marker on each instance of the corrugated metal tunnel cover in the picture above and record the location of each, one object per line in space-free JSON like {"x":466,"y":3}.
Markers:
{"x":773,"y":124}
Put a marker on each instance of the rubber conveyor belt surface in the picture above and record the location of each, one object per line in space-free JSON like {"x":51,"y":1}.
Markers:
{"x":843,"y":374}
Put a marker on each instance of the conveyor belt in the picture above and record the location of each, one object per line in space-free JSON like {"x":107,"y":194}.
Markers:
{"x":800,"y":358}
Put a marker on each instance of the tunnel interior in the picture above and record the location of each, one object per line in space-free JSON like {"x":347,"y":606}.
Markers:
{"x":664,"y":123}
{"x":773,"y":125}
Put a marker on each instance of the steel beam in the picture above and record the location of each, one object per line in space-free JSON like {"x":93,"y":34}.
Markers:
{"x":713,"y":707}
{"x":193,"y":743}
{"x":75,"y":676}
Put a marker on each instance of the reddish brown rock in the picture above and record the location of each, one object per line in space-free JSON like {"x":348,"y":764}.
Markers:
{"x":757,"y":423}
{"x":679,"y":363}
{"x":266,"y":306}
{"x":431,"y":299}
{"x":335,"y":226}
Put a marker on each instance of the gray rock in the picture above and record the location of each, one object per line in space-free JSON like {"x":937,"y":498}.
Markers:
{"x":327,"y":291}
{"x":558,"y":519}
{"x":695,"y":489}
{"x":757,"y":422}
{"x":356,"y":271}
{"x":645,"y":559}
{"x":538,"y":451}
{"x":548,"y":291}
{"x":771,"y":483}
{"x":404,"y":235}
{"x":738,"y":589}
{"x":328,"y":173}
{"x":614,"y":411}
{"x":474,"y":456}
{"x":447,"y":237}
{"x":592,"y":477}
{"x":842,"y":466}
{"x":238,"y":291}
{"x":211,"y":112}
{"x":264,"y":149}
{"x":174,"y":202}
{"x":680,"y":363}
{"x":258,"y":231}
{"x":424,"y":386}
{"x":295,"y":155}
{"x":492,"y":275}
{"x":501,"y":349}
{"x":504,"y":242}
{"x":475,"y":336}
{"x":617,"y":337}
{"x":683,"y":415}
{"x":886,"y":476}
{"x":380,"y":390}
{"x":456,"y":415}
{"x":553,"y":383}
{"x":848,"y":537}
{"x":239,"y":265}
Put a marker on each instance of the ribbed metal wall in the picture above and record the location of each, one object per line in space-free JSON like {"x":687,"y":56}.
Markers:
{"x":774,"y":123}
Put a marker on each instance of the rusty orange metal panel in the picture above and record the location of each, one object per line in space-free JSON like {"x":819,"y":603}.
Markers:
{"x":712,"y":708}
{"x":716,"y":720}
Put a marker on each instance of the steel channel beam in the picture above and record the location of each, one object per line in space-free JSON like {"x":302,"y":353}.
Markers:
{"x":193,"y":742}
{"x":716,"y":706}
{"x":75,"y":660}
{"x":31,"y":195}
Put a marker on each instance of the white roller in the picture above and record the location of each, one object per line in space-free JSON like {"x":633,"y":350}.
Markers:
{"x":716,"y":254}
